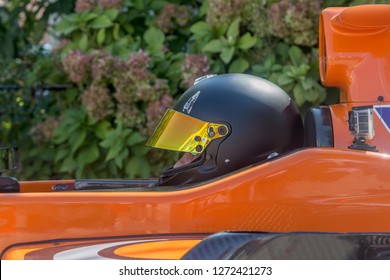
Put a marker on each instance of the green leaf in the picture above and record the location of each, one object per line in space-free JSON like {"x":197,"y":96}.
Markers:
{"x":79,"y":170}
{"x":138,"y":167}
{"x":233,"y":31}
{"x":77,"y":139}
{"x":157,"y":4}
{"x":67,"y":127}
{"x":86,"y":16}
{"x":74,"y":18}
{"x":127,"y":27}
{"x":174,"y":71}
{"x":154,"y":37}
{"x":113,"y":137}
{"x":284,"y":79}
{"x":296,"y":55}
{"x":88,"y":154}
{"x":282,"y":50}
{"x":118,"y":161}
{"x":121,"y":157}
{"x":124,"y":133}
{"x":299,"y":95}
{"x":90,"y":121}
{"x":246,"y":42}
{"x":107,"y":142}
{"x":83,"y":43}
{"x":307,"y":83}
{"x":135,"y":138}
{"x":102,"y":129}
{"x":139,"y":4}
{"x":140,"y":150}
{"x":145,"y":170}
{"x":100,"y":22}
{"x":269,"y":61}
{"x":132,"y":167}
{"x":311,"y":95}
{"x":276,"y":67}
{"x":112,"y":14}
{"x":239,"y":66}
{"x":60,"y":136}
{"x":114,"y":151}
{"x":302,"y":69}
{"x":61,"y":154}
{"x":101,"y":36}
{"x":227,"y":54}
{"x":66,"y":27}
{"x":115,"y":31}
{"x":259,"y":70}
{"x":68,"y":165}
{"x":201,"y":28}
{"x":213,"y":46}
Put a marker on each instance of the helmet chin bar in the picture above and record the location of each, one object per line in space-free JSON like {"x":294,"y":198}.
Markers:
{"x":196,"y":171}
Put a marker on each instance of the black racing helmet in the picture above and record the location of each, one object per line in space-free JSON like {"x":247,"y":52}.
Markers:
{"x":230,"y":121}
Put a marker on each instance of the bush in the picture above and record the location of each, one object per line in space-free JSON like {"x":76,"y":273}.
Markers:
{"x":125,"y":61}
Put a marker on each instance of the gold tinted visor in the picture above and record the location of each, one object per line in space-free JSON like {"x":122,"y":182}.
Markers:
{"x":180,"y":132}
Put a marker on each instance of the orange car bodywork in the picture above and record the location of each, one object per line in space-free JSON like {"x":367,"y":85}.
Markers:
{"x":333,"y":189}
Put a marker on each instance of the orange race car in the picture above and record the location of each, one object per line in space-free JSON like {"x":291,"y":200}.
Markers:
{"x":255,"y":181}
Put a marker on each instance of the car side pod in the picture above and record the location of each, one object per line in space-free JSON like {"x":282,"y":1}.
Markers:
{"x":292,"y":246}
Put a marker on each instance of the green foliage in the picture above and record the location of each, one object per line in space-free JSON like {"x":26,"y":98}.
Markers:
{"x":91,"y":28}
{"x":126,"y":61}
{"x":20,"y":31}
{"x":230,"y":46}
{"x":127,"y":151}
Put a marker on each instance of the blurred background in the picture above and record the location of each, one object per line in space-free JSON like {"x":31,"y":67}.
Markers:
{"x":83,"y":83}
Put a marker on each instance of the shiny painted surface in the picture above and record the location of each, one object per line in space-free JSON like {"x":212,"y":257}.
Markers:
{"x":354,"y":56}
{"x":46,"y":186}
{"x":170,"y":247}
{"x":310,"y":190}
{"x":354,"y":51}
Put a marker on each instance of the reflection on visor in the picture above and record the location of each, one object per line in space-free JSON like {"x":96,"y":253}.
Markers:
{"x":180,"y":132}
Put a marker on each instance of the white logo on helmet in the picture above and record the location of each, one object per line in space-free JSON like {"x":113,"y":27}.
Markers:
{"x":190,"y":103}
